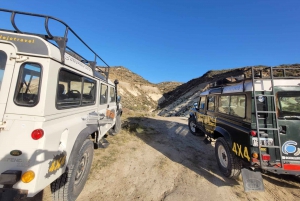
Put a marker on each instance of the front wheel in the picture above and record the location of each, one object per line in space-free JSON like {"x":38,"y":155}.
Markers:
{"x":229,"y":164}
{"x":70,"y":184}
{"x":193,"y":128}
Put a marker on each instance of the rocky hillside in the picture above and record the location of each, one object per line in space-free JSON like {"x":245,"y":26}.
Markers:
{"x":171,"y":98}
{"x":180,"y":100}
{"x":137,"y":93}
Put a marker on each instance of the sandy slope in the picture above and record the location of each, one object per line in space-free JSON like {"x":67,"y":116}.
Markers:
{"x":163,"y":161}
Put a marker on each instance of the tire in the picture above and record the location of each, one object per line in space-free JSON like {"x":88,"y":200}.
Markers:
{"x":193,"y":128}
{"x":228,"y":163}
{"x":117,"y":127}
{"x":70,"y":184}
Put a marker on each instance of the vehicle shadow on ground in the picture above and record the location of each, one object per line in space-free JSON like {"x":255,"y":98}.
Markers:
{"x":180,"y":146}
{"x":282,"y":180}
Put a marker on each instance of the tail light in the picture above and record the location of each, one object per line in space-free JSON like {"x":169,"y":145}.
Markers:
{"x":266,"y":157}
{"x":28,"y":176}
{"x":37,"y":134}
{"x":254,"y":155}
{"x":253,"y":133}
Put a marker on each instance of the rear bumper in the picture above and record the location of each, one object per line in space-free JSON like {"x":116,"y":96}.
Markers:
{"x":8,"y":179}
{"x":9,"y":194}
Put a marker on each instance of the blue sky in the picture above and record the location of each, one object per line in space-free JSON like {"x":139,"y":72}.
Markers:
{"x":177,"y":40}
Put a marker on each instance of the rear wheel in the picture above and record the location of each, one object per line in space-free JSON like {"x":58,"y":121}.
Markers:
{"x":229,"y":164}
{"x":70,"y":184}
{"x":193,"y":128}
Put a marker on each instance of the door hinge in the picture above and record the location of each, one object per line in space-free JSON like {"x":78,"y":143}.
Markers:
{"x":2,"y":125}
{"x":18,"y":58}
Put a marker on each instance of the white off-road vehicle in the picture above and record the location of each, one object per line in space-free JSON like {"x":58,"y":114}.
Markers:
{"x":55,"y":109}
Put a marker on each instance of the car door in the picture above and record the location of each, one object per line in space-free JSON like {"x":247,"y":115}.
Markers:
{"x":105,"y":121}
{"x":6,"y":72}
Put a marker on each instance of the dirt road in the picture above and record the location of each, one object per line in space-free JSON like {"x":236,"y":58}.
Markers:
{"x":158,"y":159}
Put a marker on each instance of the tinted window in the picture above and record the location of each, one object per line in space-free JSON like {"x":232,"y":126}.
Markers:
{"x":68,"y":89}
{"x":224,"y":104}
{"x":28,"y":85}
{"x":288,"y":103}
{"x":103,"y":94}
{"x":237,"y":106}
{"x":202,"y":103}
{"x":211,"y":103}
{"x":89,"y":91}
{"x":3,"y":59}
{"x":112,"y":94}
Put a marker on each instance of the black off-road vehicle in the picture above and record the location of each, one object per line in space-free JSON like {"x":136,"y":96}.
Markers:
{"x":255,"y":119}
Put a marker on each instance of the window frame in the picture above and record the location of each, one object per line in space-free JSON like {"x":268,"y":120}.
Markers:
{"x":95,"y":94}
{"x":229,"y":105}
{"x":114,"y":92}
{"x":82,"y":78}
{"x":101,"y":93}
{"x":205,"y":102}
{"x":5,"y":58}
{"x":208,"y":101}
{"x":39,"y":85}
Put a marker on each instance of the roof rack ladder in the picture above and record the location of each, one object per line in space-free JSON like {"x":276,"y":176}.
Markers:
{"x":274,"y":128}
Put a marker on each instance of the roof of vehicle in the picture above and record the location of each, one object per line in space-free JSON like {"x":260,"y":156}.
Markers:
{"x":260,"y":85}
{"x":40,"y":45}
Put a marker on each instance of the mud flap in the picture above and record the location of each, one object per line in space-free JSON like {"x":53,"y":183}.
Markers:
{"x":252,"y":180}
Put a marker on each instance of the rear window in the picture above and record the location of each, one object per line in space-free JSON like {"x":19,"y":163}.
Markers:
{"x":28,"y":85}
{"x":3,"y":59}
{"x":288,"y":103}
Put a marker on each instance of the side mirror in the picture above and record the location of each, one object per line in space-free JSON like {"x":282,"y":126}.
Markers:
{"x":196,"y":105}
{"x":118,"y":99}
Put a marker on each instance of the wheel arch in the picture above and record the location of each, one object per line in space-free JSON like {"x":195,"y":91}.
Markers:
{"x":221,"y":132}
{"x":84,"y":134}
{"x":192,"y":115}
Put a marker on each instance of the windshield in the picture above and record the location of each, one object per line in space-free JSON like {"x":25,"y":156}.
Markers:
{"x":3,"y":59}
{"x":289,"y":104}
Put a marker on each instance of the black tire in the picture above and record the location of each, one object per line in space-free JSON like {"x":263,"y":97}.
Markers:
{"x":117,"y":127}
{"x":193,"y":128}
{"x":70,"y":184}
{"x":228,"y":163}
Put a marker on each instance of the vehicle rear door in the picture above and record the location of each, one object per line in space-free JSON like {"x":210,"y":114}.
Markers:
{"x":6,"y":71}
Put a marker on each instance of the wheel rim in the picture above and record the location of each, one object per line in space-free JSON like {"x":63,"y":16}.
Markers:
{"x":193,"y":126}
{"x":81,"y":167}
{"x":223,"y":158}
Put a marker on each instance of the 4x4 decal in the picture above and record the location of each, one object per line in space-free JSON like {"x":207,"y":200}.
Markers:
{"x":238,"y":150}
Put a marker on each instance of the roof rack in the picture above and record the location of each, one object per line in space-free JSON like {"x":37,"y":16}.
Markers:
{"x":61,"y":41}
{"x":259,"y":73}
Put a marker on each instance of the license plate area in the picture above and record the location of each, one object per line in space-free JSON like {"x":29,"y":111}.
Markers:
{"x":263,"y":141}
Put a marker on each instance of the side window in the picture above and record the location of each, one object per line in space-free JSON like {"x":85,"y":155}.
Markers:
{"x":89,"y":91}
{"x":211,"y":103}
{"x":112,"y":94}
{"x":28,"y":85}
{"x":202,"y":103}
{"x":68,"y":89}
{"x":103,"y":94}
{"x":224,"y":104}
{"x":237,"y":106}
{"x":3,"y":59}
